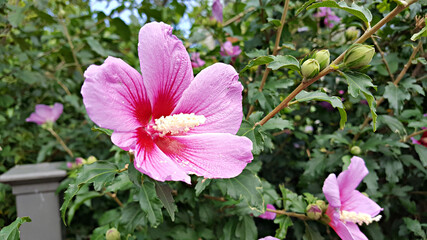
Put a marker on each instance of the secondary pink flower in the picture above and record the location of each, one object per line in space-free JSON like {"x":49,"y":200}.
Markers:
{"x":217,"y":10}
{"x":422,"y":141}
{"x":227,"y":49}
{"x":45,"y":113}
{"x":196,"y":61}
{"x":269,"y":238}
{"x":329,"y":16}
{"x":175,"y":124}
{"x":269,"y":215}
{"x":347,"y":206}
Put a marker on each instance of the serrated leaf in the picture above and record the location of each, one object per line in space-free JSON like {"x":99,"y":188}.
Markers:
{"x":247,"y":130}
{"x":300,"y":9}
{"x":164,"y":192}
{"x":98,"y":173}
{"x":411,"y":84}
{"x":102,"y":130}
{"x":359,"y":83}
{"x":415,"y":227}
{"x":284,"y":223}
{"x":311,"y":233}
{"x":16,"y":15}
{"x":277,"y":123}
{"x":202,"y":183}
{"x":395,"y":96}
{"x":150,"y":203}
{"x":359,"y":11}
{"x":96,"y":46}
{"x":99,"y":233}
{"x":11,"y":232}
{"x":421,"y":33}
{"x":134,"y":175}
{"x":246,"y":228}
{"x":336,"y":102}
{"x":257,"y":61}
{"x":284,"y":61}
{"x":80,"y":199}
{"x":132,"y":216}
{"x":395,"y":125}
{"x":257,"y":53}
{"x":422,"y":153}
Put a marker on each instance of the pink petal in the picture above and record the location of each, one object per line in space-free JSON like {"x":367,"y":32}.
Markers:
{"x":217,"y":10}
{"x":268,"y":215}
{"x":236,"y":51}
{"x":165,"y":67}
{"x":332,"y":191}
{"x":57,"y":111}
{"x":349,"y":231}
{"x":349,"y":179}
{"x":212,"y":155}
{"x":125,"y":140}
{"x":115,"y":97}
{"x":36,"y":119}
{"x":216,"y":94}
{"x":269,"y":238}
{"x":359,"y":203}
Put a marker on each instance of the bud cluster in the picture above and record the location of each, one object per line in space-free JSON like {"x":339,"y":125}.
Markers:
{"x":315,"y":210}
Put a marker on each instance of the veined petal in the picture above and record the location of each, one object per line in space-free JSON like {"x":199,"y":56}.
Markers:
{"x":57,"y":111}
{"x":114,"y":96}
{"x":349,"y":231}
{"x":332,"y":191}
{"x":359,"y":203}
{"x":212,"y":155}
{"x":125,"y":140}
{"x":216,"y":94}
{"x":349,"y":179}
{"x":165,"y":67}
{"x":150,"y":160}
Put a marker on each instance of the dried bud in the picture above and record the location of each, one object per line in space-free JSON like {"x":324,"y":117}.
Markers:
{"x":310,"y":68}
{"x":313,"y":212}
{"x":358,"y":56}
{"x":323,"y":58}
{"x":112,"y":234}
{"x":355,"y":150}
{"x":352,"y":33}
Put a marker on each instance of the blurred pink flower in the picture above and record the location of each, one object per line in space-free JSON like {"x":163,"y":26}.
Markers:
{"x":329,"y":16}
{"x":45,"y":113}
{"x":217,"y":10}
{"x":268,"y":215}
{"x":347,"y":206}
{"x":227,"y":49}
{"x":196,"y":61}
{"x":174,"y":123}
{"x":422,"y":141}
{"x":269,"y":238}
{"x":78,"y":162}
{"x":341,"y":92}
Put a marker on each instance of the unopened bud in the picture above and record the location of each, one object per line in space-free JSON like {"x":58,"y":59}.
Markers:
{"x":323,"y":58}
{"x":297,"y":117}
{"x":355,"y":150}
{"x":313,"y":212}
{"x":310,"y":68}
{"x":112,"y":234}
{"x":352,"y":33}
{"x":322,"y":205}
{"x":359,"y":55}
{"x":91,"y":160}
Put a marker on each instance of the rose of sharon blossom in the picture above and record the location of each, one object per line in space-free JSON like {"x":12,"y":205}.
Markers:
{"x":175,"y":124}
{"x":227,"y":49}
{"x":45,"y":113}
{"x":196,"y":61}
{"x":422,"y":141}
{"x":347,"y":206}
{"x":329,"y":16}
{"x":217,"y":10}
{"x":268,"y":215}
{"x":269,"y":238}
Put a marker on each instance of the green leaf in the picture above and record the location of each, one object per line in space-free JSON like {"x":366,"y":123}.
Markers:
{"x":132,"y":216}
{"x":359,"y":83}
{"x":80,"y":199}
{"x":396,"y":96}
{"x":248,"y":187}
{"x":286,"y":61}
{"x":311,"y":233}
{"x":102,"y":130}
{"x":247,"y":130}
{"x":277,"y":123}
{"x":96,"y":46}
{"x":121,"y":28}
{"x":150,"y":203}
{"x":284,"y":223}
{"x":246,"y":228}
{"x":421,"y":33}
{"x":422,"y":153}
{"x":11,"y":232}
{"x":99,"y":233}
{"x":336,"y":102}
{"x":359,"y":11}
{"x":16,"y":15}
{"x":257,"y":53}
{"x":395,"y":125}
{"x":29,"y":77}
{"x":257,"y":61}
{"x":99,"y":173}
{"x":134,"y":175}
{"x":300,"y":9}
{"x":202,"y":183}
{"x":415,"y":227}
{"x":164,"y":192}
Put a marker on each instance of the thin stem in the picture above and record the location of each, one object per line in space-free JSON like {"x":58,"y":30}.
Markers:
{"x":335,"y":63}
{"x":124,"y":169}
{"x":67,"y":35}
{"x":290,"y":214}
{"x":383,"y":58}
{"x":275,"y":51}
{"x":115,"y":198}
{"x":413,"y":134}
{"x":220,"y":199}
{"x":59,"y":139}
{"x":238,"y":16}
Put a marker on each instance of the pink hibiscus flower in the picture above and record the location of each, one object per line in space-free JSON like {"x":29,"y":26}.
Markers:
{"x":269,"y":238}
{"x":45,"y":113}
{"x":196,"y":61}
{"x":329,"y":17}
{"x":269,"y":215}
{"x":217,"y":10}
{"x":227,"y":49}
{"x":175,"y":124}
{"x":347,"y":206}
{"x":423,"y":139}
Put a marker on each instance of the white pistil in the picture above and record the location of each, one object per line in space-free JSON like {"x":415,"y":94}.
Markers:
{"x":178,"y":123}
{"x":358,"y":218}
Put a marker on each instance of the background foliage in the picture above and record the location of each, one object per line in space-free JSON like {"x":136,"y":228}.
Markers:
{"x":46,"y":45}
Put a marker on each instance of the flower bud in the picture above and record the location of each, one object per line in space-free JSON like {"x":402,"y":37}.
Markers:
{"x":91,"y":160}
{"x":310,"y":68}
{"x":323,"y":58}
{"x":352,"y":33}
{"x":313,"y":212}
{"x":322,"y":205}
{"x":355,"y":150}
{"x":358,"y":56}
{"x":112,"y":234}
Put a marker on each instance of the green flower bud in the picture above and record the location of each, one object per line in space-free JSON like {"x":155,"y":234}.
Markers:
{"x":313,"y":212}
{"x":322,"y":205}
{"x":310,"y":68}
{"x":112,"y":234}
{"x":359,"y":55}
{"x":323,"y":58}
{"x":91,"y":160}
{"x":355,"y":150}
{"x":297,"y":117}
{"x":352,"y":33}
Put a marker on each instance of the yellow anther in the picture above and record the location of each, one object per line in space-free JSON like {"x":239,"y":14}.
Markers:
{"x":178,"y":123}
{"x":358,"y":218}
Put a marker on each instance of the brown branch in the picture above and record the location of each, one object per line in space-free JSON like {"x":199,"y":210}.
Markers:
{"x":383,"y":58}
{"x":220,"y":199}
{"x":59,"y":139}
{"x":115,"y":198}
{"x":67,"y":35}
{"x":405,"y":139}
{"x":290,"y":214}
{"x":238,"y":16}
